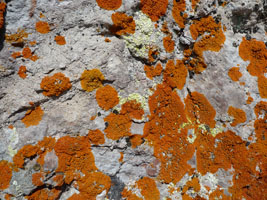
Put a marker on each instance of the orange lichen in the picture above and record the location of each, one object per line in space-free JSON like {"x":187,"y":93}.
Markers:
{"x":168,"y":44}
{"x":59,"y":179}
{"x":15,"y":54}
{"x":44,"y":194}
{"x":118,"y":126}
{"x":93,"y":118}
{"x":55,"y":85}
{"x":22,"y":72}
{"x":42,"y":27}
{"x":148,"y":188}
{"x":194,"y":3}
{"x":10,"y":126}
{"x":165,"y":28}
{"x":177,"y":10}
{"x":249,"y":100}
{"x":8,"y":196}
{"x":91,"y":79}
{"x":122,"y":24}
{"x":60,"y":40}
{"x":199,"y":109}
{"x":154,"y":8}
{"x":2,"y":12}
{"x":128,"y":195}
{"x":234,"y":73}
{"x":107,"y":97}
{"x":26,"y":151}
{"x":161,"y":131}
{"x":133,"y":109}
{"x":255,"y":52}
{"x":192,"y":184}
{"x":26,"y":52}
{"x":33,"y":116}
{"x":136,"y":140}
{"x":218,"y":194}
{"x":152,"y":54}
{"x":96,"y":137}
{"x":121,"y":157}
{"x":175,"y":75}
{"x":32,"y":43}
{"x":152,"y":71}
{"x":212,"y":40}
{"x":6,"y":174}
{"x":109,"y":4}
{"x":37,"y":179}
{"x":107,"y":40}
{"x":18,"y":38}
{"x":262,"y":85}
{"x":238,"y":114}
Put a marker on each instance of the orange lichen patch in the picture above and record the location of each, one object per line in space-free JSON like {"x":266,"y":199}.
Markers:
{"x":107,"y":97}
{"x":107,"y":40}
{"x":59,"y":179}
{"x":262,"y":85}
{"x":212,"y":40}
{"x":42,"y":27}
{"x":154,"y":8}
{"x":15,"y":54}
{"x":255,"y":52}
{"x":177,"y":10}
{"x":8,"y":196}
{"x":2,"y":11}
{"x":249,"y":100}
{"x":6,"y":174}
{"x":148,"y":188}
{"x":168,"y":44}
{"x":93,"y":184}
{"x":194,"y":3}
{"x":44,"y":194}
{"x":25,"y":152}
{"x":22,"y":72}
{"x":33,"y":116}
{"x":122,"y":24}
{"x":38,"y":178}
{"x":121,"y":158}
{"x":91,"y":79}
{"x":152,"y":71}
{"x":133,"y":109}
{"x":219,"y":194}
{"x":118,"y":126}
{"x":175,"y":75}
{"x":96,"y":137}
{"x":152,"y":54}
{"x":192,"y":184}
{"x":74,"y":155}
{"x":10,"y":126}
{"x":55,"y":85}
{"x":41,"y":15}
{"x":234,"y":74}
{"x":93,"y":118}
{"x":165,"y":28}
{"x":16,"y":38}
{"x":238,"y":114}
{"x":260,"y":123}
{"x":109,"y":4}
{"x":163,"y":132}
{"x":199,"y":109}
{"x":128,"y":195}
{"x":32,"y":43}
{"x":136,"y":140}
{"x":60,"y":40}
{"x":26,"y":52}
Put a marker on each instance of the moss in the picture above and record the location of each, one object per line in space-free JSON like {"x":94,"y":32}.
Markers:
{"x":42,"y":27}
{"x":6,"y":174}
{"x":91,"y":79}
{"x":154,"y":8}
{"x":33,"y":116}
{"x":109,"y":4}
{"x":55,"y":85}
{"x":123,"y":24}
{"x":107,"y":97}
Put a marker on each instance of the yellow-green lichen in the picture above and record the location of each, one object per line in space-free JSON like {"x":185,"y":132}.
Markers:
{"x":13,"y":142}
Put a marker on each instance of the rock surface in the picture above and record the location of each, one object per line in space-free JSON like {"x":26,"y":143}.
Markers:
{"x":187,"y":118}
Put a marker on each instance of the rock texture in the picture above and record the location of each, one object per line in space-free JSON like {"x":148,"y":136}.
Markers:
{"x":133,"y":99}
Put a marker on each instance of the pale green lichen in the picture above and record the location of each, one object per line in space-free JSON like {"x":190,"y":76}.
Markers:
{"x":134,"y":96}
{"x":14,"y":138}
{"x":145,"y":36}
